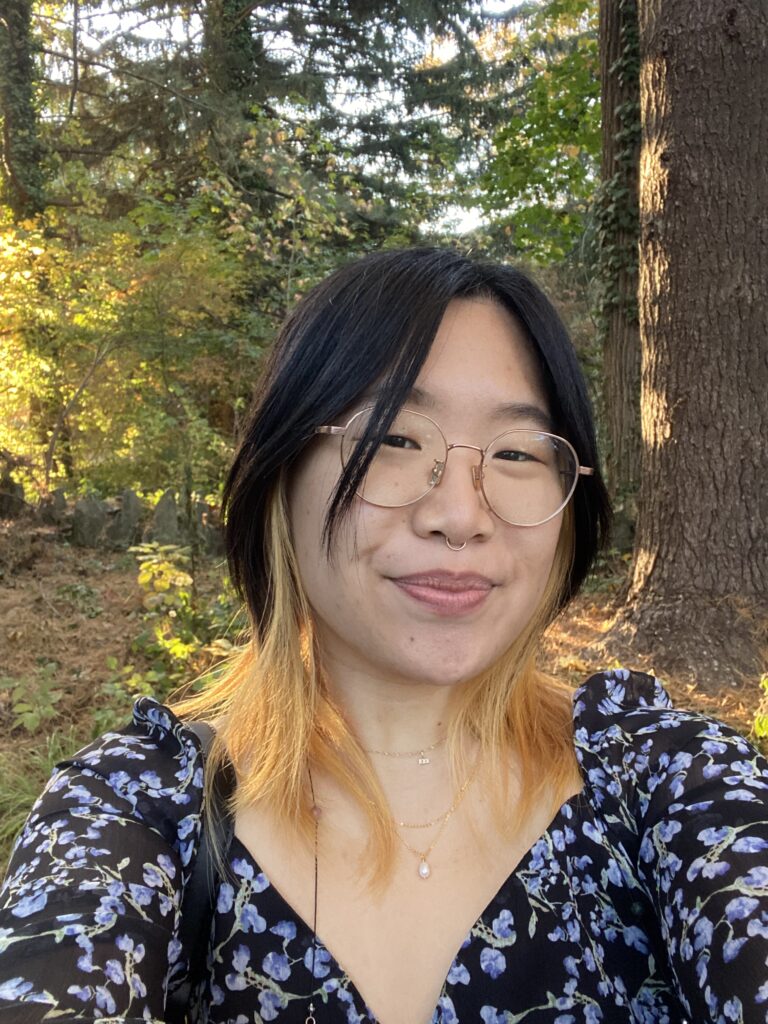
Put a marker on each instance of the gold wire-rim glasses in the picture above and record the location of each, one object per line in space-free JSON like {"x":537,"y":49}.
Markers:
{"x":477,"y":470}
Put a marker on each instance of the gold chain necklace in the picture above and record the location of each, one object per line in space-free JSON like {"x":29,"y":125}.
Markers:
{"x":420,"y":754}
{"x":425,"y":869}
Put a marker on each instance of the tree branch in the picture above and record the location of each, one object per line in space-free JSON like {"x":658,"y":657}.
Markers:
{"x":129,"y":74}
{"x":75,"y":64}
{"x":98,"y":359}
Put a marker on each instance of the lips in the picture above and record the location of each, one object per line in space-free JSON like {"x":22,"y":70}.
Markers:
{"x":446,"y":593}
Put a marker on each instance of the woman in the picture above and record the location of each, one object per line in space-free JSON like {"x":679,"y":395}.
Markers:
{"x":427,"y":828}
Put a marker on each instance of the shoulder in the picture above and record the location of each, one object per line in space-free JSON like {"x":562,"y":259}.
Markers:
{"x":620,"y":706}
{"x":151,"y":771}
{"x":90,"y":903}
{"x":631,"y":740}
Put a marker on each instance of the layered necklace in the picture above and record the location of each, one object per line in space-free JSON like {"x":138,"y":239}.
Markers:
{"x":424,"y":866}
{"x":424,"y":869}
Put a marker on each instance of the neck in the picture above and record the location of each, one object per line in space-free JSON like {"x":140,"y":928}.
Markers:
{"x":397,"y":716}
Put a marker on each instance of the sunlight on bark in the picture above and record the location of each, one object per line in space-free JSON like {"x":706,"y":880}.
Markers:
{"x":655,"y":417}
{"x":644,"y":562}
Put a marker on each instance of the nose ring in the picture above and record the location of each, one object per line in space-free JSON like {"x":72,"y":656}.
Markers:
{"x":454,"y":547}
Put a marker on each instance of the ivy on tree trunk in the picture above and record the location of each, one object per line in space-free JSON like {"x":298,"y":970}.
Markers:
{"x":618,"y":231}
{"x":20,"y":148}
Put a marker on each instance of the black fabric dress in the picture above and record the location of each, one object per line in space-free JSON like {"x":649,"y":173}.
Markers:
{"x":645,"y":901}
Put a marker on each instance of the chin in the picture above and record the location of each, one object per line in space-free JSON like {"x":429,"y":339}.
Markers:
{"x":447,"y":668}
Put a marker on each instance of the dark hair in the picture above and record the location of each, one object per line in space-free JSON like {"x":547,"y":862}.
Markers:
{"x":373,"y":322}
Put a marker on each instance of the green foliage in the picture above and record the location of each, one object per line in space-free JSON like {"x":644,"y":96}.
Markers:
{"x":199,"y":174}
{"x":760,"y":722}
{"x":544,"y":171}
{"x":171,"y":622}
{"x":164,"y":577}
{"x":125,"y":685}
{"x":182,"y":639}
{"x":119,"y":347}
{"x":81,"y":597}
{"x":183,"y":634}
{"x":32,"y":699}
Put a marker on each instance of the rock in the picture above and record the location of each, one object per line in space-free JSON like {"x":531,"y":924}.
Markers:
{"x":20,"y":548}
{"x":208,"y":529}
{"x":88,"y":522}
{"x":164,"y":528}
{"x":53,"y":509}
{"x":125,"y":526}
{"x":12,"y":502}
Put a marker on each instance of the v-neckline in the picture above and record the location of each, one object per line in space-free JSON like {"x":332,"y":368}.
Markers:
{"x":510,"y":882}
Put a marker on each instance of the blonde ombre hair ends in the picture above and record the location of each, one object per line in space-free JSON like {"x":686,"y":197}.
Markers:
{"x":275,"y":718}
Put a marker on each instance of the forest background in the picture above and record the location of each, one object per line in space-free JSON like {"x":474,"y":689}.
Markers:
{"x":176,"y":175}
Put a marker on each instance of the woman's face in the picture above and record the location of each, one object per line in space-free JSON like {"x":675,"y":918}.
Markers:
{"x":394,"y":602}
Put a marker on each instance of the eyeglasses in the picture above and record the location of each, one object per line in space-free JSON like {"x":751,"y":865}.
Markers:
{"x":526,"y":476}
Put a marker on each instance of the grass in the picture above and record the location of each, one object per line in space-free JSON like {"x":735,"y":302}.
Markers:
{"x":24,"y":772}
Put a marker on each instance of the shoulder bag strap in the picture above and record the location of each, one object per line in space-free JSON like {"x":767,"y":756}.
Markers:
{"x":197,"y":905}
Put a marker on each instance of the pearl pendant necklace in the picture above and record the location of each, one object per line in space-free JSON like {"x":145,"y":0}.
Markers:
{"x":425,"y":868}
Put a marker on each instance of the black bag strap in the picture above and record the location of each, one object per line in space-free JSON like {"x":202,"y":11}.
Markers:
{"x":197,"y":905}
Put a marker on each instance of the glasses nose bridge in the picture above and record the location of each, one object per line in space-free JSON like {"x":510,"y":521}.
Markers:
{"x":472,"y":447}
{"x":477,"y":470}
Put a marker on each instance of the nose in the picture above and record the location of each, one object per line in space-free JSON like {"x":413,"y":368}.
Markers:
{"x":455,"y":507}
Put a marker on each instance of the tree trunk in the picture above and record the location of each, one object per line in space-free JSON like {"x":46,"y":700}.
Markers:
{"x":699,"y":579}
{"x":618,"y":233}
{"x":20,"y":151}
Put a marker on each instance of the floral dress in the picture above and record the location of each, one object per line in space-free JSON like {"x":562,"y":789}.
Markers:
{"x":645,"y":901}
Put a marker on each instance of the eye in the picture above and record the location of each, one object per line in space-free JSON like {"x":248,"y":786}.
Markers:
{"x":514,"y":455}
{"x":399,"y":441}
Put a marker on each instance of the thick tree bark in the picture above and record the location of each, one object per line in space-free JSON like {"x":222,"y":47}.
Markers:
{"x":699,"y":582}
{"x":619,"y":230}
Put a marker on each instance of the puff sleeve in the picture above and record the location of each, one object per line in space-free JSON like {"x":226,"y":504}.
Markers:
{"x":699,"y":796}
{"x":90,"y":904}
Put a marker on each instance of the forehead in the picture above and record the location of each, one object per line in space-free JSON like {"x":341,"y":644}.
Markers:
{"x":480,"y":355}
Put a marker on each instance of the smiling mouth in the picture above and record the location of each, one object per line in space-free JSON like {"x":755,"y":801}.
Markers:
{"x":446,"y":593}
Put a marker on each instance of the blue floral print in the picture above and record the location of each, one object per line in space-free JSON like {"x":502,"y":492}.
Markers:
{"x":644,"y":902}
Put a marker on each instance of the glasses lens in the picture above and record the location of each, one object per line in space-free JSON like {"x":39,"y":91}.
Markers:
{"x":404,"y":466}
{"x":528,"y":476}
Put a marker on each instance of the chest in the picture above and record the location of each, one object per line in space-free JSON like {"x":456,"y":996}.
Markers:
{"x":568,"y":928}
{"x":394,"y":944}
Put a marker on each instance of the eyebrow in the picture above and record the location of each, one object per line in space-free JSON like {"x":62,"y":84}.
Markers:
{"x":505,"y":411}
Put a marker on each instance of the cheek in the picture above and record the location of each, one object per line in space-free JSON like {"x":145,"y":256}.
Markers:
{"x":544,"y":546}
{"x":371,"y":533}
{"x":535,"y":551}
{"x":309,"y":493}
{"x":328,"y":583}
